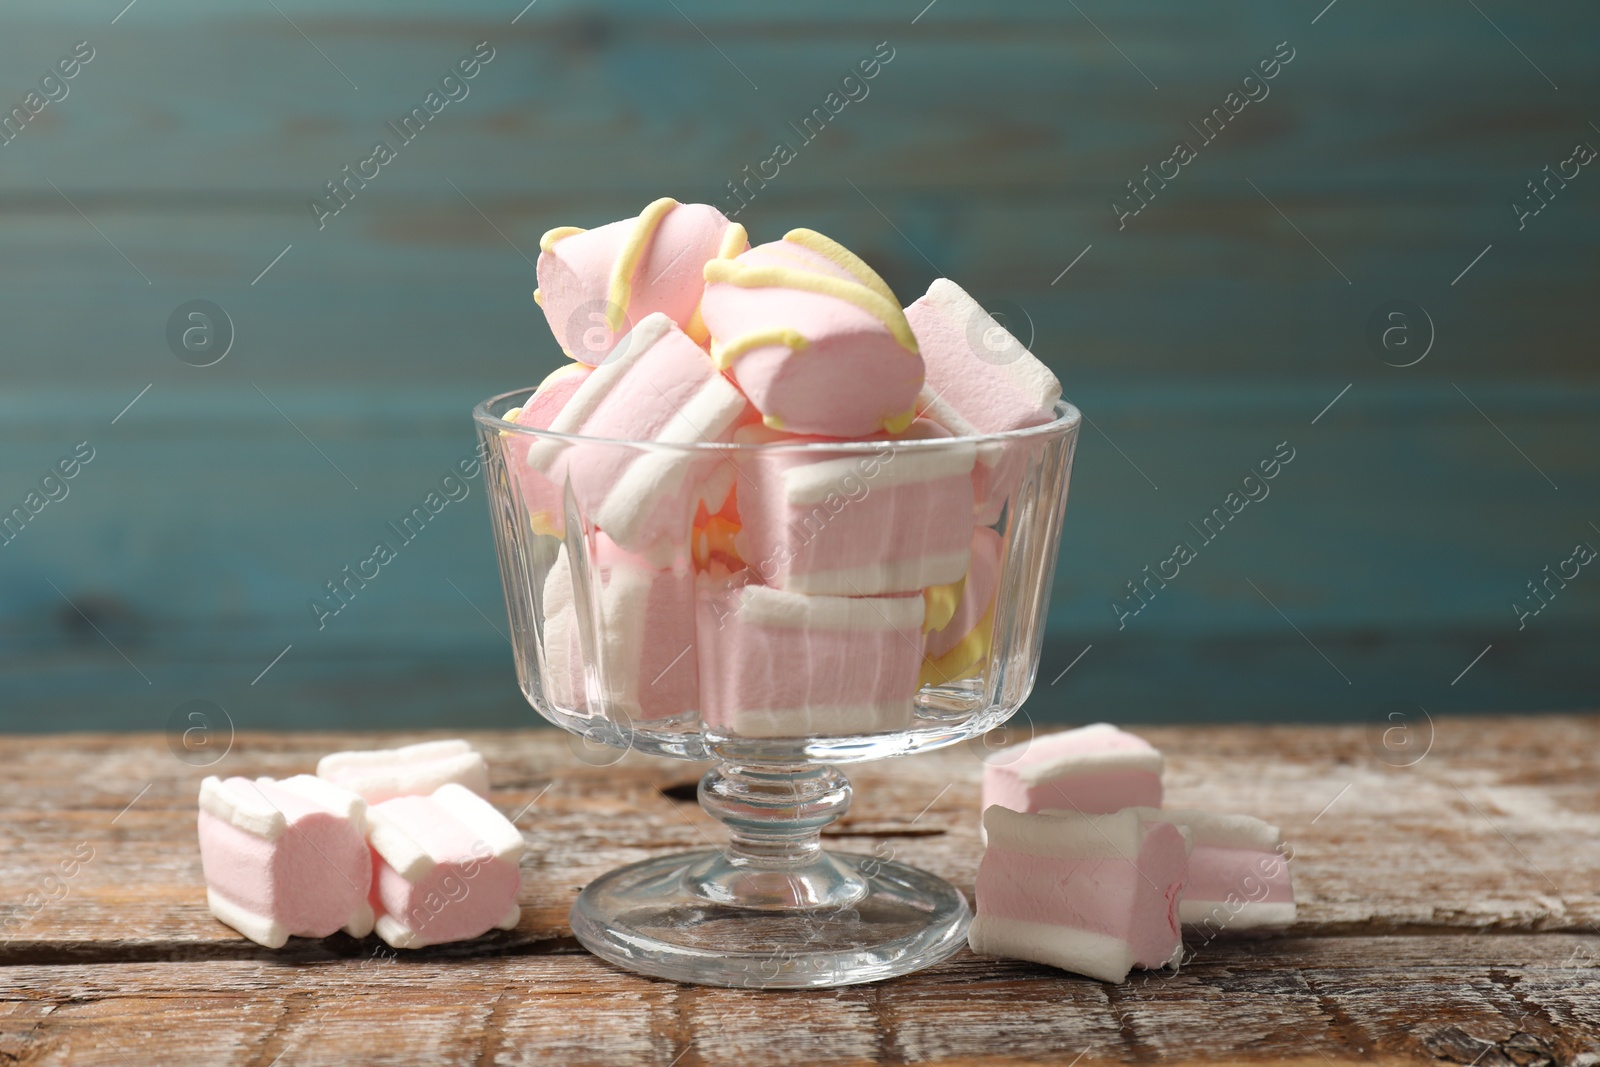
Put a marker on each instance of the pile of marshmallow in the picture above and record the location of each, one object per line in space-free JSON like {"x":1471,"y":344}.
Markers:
{"x":400,"y":841}
{"x":1084,"y":870}
{"x":821,"y":563}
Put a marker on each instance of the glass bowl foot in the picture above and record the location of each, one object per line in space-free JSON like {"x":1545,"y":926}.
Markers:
{"x":708,"y":919}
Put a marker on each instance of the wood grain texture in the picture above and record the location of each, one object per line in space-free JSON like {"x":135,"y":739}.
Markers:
{"x":202,"y":579}
{"x":1512,"y":999}
{"x":1447,"y":913}
{"x":1496,"y":825}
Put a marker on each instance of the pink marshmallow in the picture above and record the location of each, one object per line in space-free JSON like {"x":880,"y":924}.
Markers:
{"x":413,"y":770}
{"x":1238,"y":872}
{"x":959,"y":648}
{"x":540,"y":496}
{"x":893,"y":521}
{"x":980,"y":380}
{"x":658,"y":386}
{"x":1094,"y":894}
{"x":814,"y":337}
{"x":552,"y":395}
{"x":639,"y":633}
{"x":561,"y":673}
{"x":446,"y":868}
{"x":285,"y":858}
{"x":780,"y":664}
{"x":596,"y":285}
{"x":1093,"y":769}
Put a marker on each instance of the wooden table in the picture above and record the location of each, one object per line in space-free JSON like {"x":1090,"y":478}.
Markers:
{"x":1448,"y":913}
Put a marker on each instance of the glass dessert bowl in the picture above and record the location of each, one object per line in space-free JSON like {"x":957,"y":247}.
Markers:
{"x":778,"y":608}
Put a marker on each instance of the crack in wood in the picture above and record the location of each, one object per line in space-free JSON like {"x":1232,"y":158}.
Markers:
{"x":684,"y":1001}
{"x":682,"y":792}
{"x":1343,"y":1025}
{"x":1133,"y":1042}
{"x":870,"y":830}
{"x":493,"y":1035}
{"x":297,"y":951}
{"x":885,"y":1016}
{"x":1457,"y":1046}
{"x":34,"y":1043}
{"x":277,"y":1040}
{"x":1531,"y":1010}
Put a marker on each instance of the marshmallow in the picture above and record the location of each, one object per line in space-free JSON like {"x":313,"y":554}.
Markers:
{"x":658,"y":386}
{"x":781,"y":664}
{"x":541,"y":497}
{"x":641,"y":646}
{"x":414,"y":770}
{"x":446,"y":868}
{"x":1238,"y":874}
{"x":814,"y":337}
{"x":895,"y":520}
{"x":959,"y":647}
{"x":1093,"y":769}
{"x":550,"y":398}
{"x":285,"y":858}
{"x":596,"y":285}
{"x":1094,"y":894}
{"x":561,"y":675}
{"x":980,"y":380}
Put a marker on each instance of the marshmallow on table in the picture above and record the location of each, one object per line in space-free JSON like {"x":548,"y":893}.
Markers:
{"x":781,"y":664}
{"x":638,"y":633}
{"x":659,"y":387}
{"x":596,"y":285}
{"x":285,"y":858}
{"x":413,"y":770}
{"x":895,"y":520}
{"x":813,"y":336}
{"x":1238,"y":875}
{"x":958,"y":646}
{"x":446,"y":868}
{"x":1094,"y":894}
{"x":980,"y":380}
{"x":1094,"y":769}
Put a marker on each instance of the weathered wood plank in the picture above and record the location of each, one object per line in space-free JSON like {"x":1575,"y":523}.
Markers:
{"x":1211,"y":283}
{"x":1419,"y":886}
{"x":1495,"y":828}
{"x":1347,"y":999}
{"x":247,"y":530}
{"x":605,"y":86}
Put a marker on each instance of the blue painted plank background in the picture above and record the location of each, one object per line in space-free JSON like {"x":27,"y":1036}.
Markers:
{"x":1216,"y":323}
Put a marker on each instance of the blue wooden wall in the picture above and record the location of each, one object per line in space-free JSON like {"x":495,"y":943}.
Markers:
{"x":1197,"y":335}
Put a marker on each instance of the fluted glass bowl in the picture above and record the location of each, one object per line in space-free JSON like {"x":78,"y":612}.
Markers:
{"x":779,"y":609}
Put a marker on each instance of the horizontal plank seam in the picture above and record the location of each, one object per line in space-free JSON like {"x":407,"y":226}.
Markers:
{"x":101,"y":953}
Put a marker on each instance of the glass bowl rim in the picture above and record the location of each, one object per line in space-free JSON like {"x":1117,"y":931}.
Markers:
{"x":1067,"y":420}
